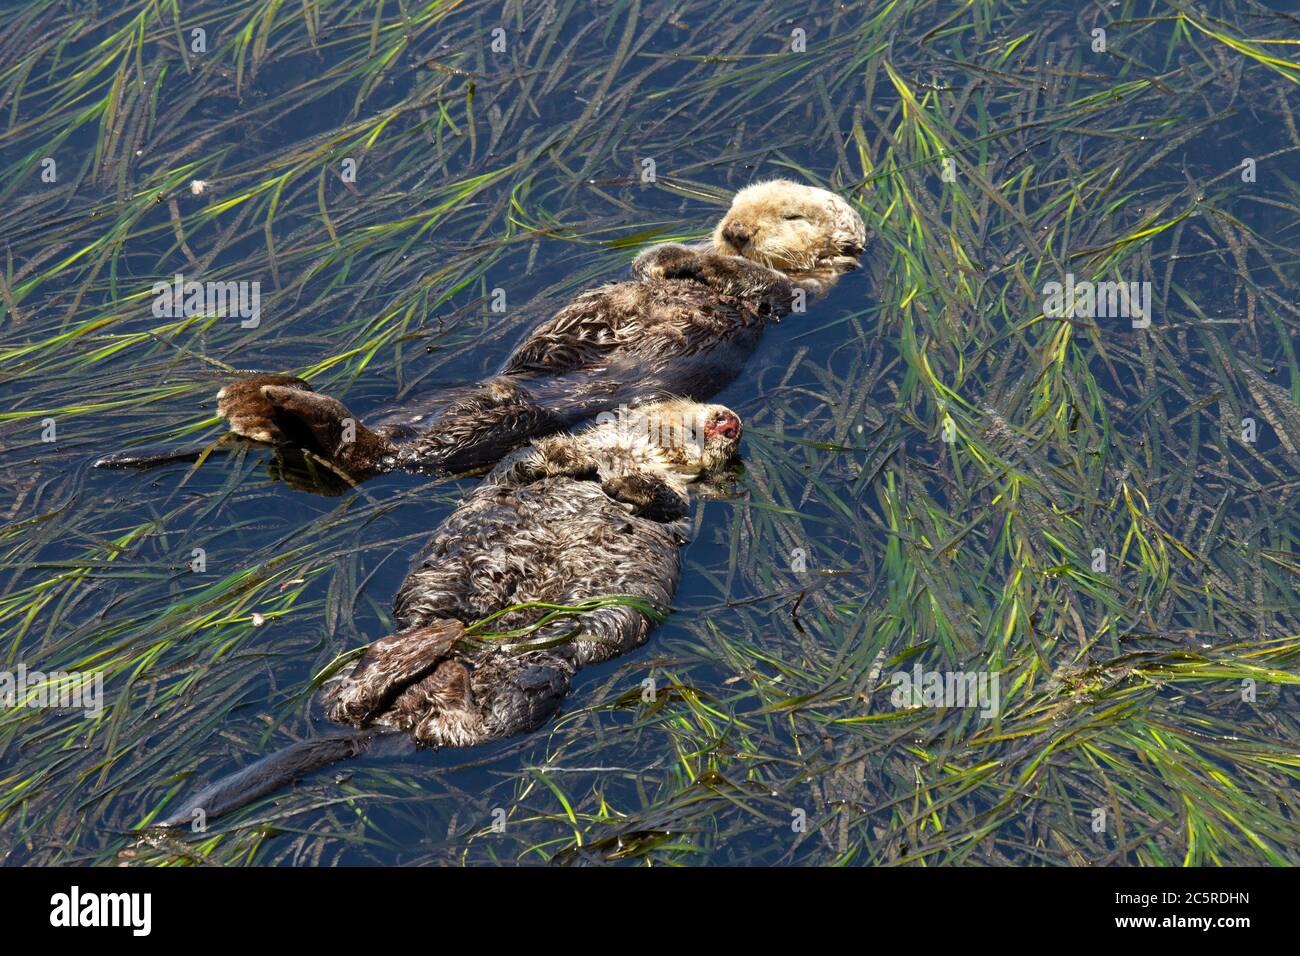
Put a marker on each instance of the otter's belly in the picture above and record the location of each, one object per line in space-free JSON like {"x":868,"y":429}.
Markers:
{"x":557,"y":541}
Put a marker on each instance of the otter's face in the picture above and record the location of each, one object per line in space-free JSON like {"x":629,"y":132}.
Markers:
{"x":721,"y":432}
{"x":792,"y":228}
{"x":689,"y":438}
{"x":710,"y":437}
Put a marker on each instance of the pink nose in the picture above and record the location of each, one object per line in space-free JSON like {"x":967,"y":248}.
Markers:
{"x":728,"y":426}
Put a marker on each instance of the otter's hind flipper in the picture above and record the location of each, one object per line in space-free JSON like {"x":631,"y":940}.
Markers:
{"x":324,"y":426}
{"x":388,"y":667}
{"x":248,"y":411}
{"x":283,"y":410}
{"x":388,"y":671}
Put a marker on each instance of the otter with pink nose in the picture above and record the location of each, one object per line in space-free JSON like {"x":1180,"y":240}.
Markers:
{"x":593,"y":519}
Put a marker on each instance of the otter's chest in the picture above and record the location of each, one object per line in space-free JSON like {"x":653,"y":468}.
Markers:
{"x":697,"y":314}
{"x":558,"y":539}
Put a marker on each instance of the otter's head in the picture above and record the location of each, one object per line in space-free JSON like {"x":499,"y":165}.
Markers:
{"x":719,"y":428}
{"x":792,"y":228}
{"x":688,"y":438}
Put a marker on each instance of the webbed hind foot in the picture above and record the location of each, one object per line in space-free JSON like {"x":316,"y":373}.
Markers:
{"x":283,"y":410}
{"x":387,"y":668}
{"x":250,"y":414}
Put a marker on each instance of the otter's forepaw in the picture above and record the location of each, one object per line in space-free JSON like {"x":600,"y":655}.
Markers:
{"x":655,"y":261}
{"x":733,"y":275}
{"x":646,"y":496}
{"x":838,"y":264}
{"x":812,"y":287}
{"x":699,"y":268}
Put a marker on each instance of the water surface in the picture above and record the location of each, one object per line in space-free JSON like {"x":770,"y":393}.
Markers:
{"x":932,"y":464}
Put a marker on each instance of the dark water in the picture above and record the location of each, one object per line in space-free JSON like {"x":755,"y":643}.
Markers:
{"x":859,"y":541}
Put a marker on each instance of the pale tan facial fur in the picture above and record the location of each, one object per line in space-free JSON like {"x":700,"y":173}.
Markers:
{"x":792,"y":228}
{"x":685,"y":439}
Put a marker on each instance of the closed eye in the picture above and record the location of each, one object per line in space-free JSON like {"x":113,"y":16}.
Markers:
{"x":793,"y":215}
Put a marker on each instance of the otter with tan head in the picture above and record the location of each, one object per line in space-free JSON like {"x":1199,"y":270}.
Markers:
{"x":794,"y":229}
{"x":568,"y":520}
{"x":809,"y":235}
{"x":684,"y":325}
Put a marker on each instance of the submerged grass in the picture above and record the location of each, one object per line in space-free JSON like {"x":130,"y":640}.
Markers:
{"x":938,"y":474}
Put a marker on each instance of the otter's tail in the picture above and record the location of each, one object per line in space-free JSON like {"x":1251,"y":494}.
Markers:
{"x":160,"y":456}
{"x":280,"y":769}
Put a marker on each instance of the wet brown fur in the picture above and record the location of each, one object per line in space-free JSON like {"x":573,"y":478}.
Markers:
{"x":684,"y":325}
{"x":565,"y":520}
{"x":568,"y":519}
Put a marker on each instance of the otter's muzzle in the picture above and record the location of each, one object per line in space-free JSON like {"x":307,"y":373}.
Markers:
{"x":736,"y":236}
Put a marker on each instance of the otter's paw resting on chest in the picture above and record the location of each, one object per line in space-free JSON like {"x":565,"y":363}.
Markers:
{"x":727,"y":275}
{"x":646,"y":496}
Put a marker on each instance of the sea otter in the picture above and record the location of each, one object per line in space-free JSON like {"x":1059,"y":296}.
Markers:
{"x":684,"y":325}
{"x":570,"y":519}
